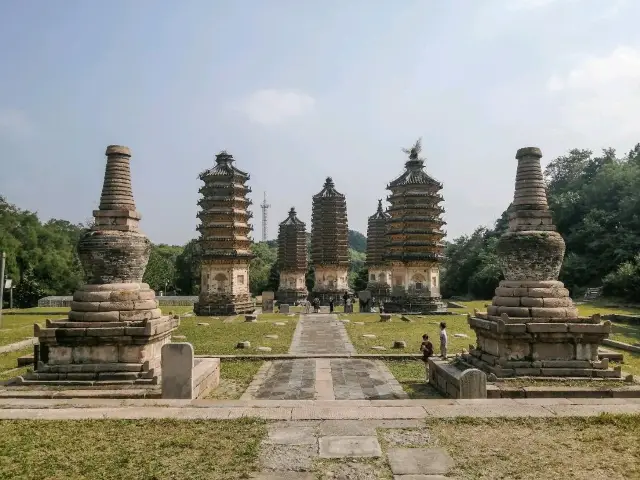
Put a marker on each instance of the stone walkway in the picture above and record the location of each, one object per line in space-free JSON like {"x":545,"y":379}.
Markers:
{"x":323,"y":378}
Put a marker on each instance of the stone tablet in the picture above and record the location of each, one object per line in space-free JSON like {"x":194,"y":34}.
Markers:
{"x":284,"y":308}
{"x":177,"y":371}
{"x":267,"y":302}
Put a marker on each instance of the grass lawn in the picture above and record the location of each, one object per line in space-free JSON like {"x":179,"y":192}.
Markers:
{"x":131,"y":449}
{"x":411,"y":375}
{"x":396,"y":329}
{"x":220,"y":338}
{"x":235,"y":377}
{"x":20,"y":327}
{"x":9,"y":362}
{"x":533,"y":448}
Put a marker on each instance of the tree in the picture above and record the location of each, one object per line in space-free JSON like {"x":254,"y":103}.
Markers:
{"x":28,"y":291}
{"x":161,"y":273}
{"x":187,"y":269}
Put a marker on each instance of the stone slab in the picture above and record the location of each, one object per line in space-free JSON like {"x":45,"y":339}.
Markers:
{"x":353,"y":446}
{"x":421,"y":477}
{"x":292,"y":436}
{"x":284,"y":476}
{"x":177,"y":371}
{"x":334,"y":428}
{"x":425,"y":461}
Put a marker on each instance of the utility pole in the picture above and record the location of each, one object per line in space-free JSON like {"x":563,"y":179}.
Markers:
{"x":4,"y":258}
{"x":264,"y":206}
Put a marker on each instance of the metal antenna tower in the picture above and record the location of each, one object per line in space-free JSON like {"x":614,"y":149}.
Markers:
{"x":264,"y":206}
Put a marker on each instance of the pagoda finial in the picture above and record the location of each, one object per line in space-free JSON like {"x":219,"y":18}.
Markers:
{"x":329,"y":182}
{"x":380,"y":206}
{"x":292,"y":212}
{"x":414,"y":151}
{"x":224,"y":157}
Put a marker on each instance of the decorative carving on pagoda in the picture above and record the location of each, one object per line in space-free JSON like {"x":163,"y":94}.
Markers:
{"x":292,"y":259}
{"x":224,"y":243}
{"x":378,"y":269}
{"x":115,"y":329}
{"x":532,"y":327}
{"x":329,"y":243}
{"x":414,"y":234}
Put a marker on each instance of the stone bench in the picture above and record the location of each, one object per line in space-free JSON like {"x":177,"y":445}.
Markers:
{"x":455,"y":383}
{"x":184,"y":378}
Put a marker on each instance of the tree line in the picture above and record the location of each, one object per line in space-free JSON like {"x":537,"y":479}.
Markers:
{"x":595,"y":201}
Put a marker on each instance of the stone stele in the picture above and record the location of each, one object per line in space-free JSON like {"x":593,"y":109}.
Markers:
{"x":115,"y":330}
{"x":532,"y":327}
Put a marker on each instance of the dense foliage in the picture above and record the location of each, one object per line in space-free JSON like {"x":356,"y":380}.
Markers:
{"x":595,"y":201}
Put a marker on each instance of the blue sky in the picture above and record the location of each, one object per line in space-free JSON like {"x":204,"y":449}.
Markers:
{"x":299,"y":90}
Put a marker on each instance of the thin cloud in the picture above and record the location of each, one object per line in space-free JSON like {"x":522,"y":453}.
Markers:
{"x":273,"y":107}
{"x":601,"y":94}
{"x":15,"y":123}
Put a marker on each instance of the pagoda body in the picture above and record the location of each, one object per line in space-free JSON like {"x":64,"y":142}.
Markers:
{"x":414,"y":239}
{"x":329,"y":244}
{"x":225,"y":246}
{"x":115,"y":331}
{"x":532,"y":327}
{"x":292,"y":259}
{"x":378,"y":269}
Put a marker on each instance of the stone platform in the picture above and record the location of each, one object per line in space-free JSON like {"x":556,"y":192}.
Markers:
{"x":114,"y":333}
{"x":532,"y":328}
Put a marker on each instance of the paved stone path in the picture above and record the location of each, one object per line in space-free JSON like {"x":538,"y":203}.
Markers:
{"x":320,"y":334}
{"x":323,"y":378}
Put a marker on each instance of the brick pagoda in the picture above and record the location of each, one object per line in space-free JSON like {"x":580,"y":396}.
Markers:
{"x":379,"y":271}
{"x":329,"y":244}
{"x":115,"y":330}
{"x":225,"y":247}
{"x":292,"y":259}
{"x":532,"y":327}
{"x":414,"y":238}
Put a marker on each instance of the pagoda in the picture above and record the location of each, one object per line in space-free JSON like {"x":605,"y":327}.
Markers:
{"x":329,"y":244}
{"x":414,"y":238}
{"x":532,"y":327}
{"x":292,"y":259}
{"x":225,"y":246}
{"x":115,"y":331}
{"x":378,"y":269}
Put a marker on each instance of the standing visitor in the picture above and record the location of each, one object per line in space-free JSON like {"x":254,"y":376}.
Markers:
{"x":443,"y":340}
{"x":426,"y":347}
{"x":331,"y":305}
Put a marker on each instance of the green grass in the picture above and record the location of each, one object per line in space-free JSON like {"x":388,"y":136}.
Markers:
{"x":9,"y":363}
{"x":411,"y":375}
{"x":600,"y":447}
{"x":235,"y":377}
{"x":131,"y":449}
{"x":20,"y":327}
{"x":396,"y":329}
{"x":220,"y":338}
{"x":624,"y":332}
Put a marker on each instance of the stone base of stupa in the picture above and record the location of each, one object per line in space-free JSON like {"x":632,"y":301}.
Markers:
{"x":380,"y":291}
{"x":114,"y":335}
{"x":291,"y":297}
{"x":217,"y":304}
{"x":533,"y":329}
{"x":419,"y":304}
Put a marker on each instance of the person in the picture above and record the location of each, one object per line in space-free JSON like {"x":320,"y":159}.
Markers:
{"x":331,"y":305}
{"x":307,"y":306}
{"x":345,"y":297}
{"x":316,"y":304}
{"x":426,"y":347}
{"x":443,"y":340}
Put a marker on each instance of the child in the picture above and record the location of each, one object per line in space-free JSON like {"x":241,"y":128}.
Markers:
{"x":443,"y":340}
{"x":426,"y":347}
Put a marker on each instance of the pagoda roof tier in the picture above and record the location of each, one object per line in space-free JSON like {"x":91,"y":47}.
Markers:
{"x":228,"y":226}
{"x":400,"y":194}
{"x":420,"y":220}
{"x":415,"y":243}
{"x":413,"y":256}
{"x":328,"y":190}
{"x":293,"y":220}
{"x":225,"y":199}
{"x":409,"y":208}
{"x":380,"y":213}
{"x":224,"y":167}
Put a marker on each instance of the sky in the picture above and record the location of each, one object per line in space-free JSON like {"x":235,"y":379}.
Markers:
{"x":300,"y":90}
